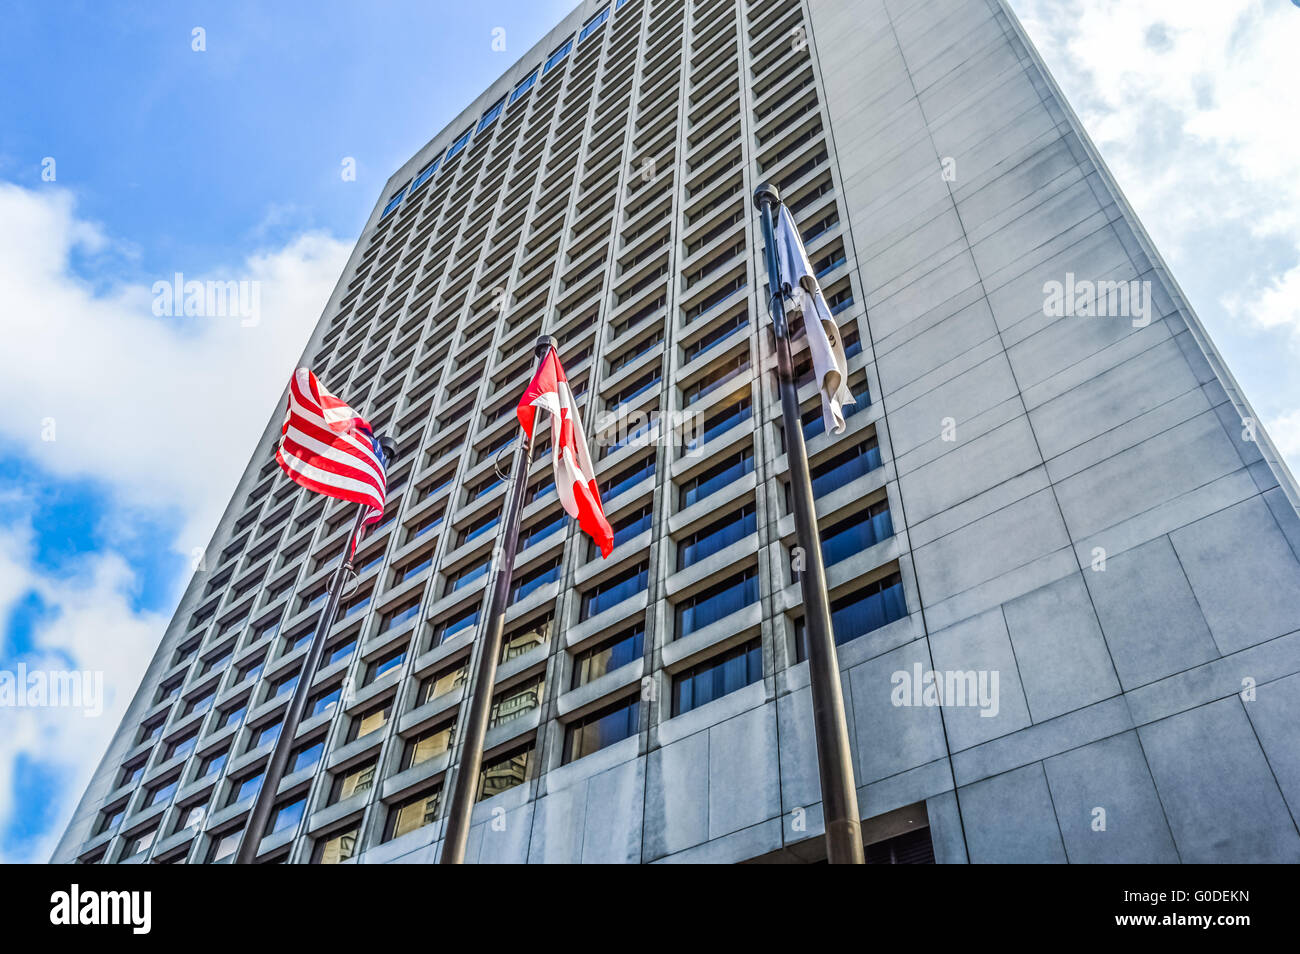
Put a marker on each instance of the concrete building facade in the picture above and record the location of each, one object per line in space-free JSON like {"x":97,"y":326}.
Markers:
{"x":1058,"y":501}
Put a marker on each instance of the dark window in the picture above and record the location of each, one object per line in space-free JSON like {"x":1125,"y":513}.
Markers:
{"x":857,"y":533}
{"x":909,"y":848}
{"x":814,"y":421}
{"x":283,"y":685}
{"x":541,"y":528}
{"x":608,"y":655}
{"x":289,"y":814}
{"x":323,"y":701}
{"x":212,"y":764}
{"x":725,"y":330}
{"x":629,"y":391}
{"x":534,"y":580}
{"x":110,"y":818}
{"x":266,"y":735}
{"x":250,"y":669}
{"x":131,"y":773}
{"x":525,"y":638}
{"x":630,"y":525}
{"x":246,"y":787}
{"x":715,"y":379}
{"x":627,"y":478}
{"x":341,"y":651}
{"x":169,"y":689}
{"x":372,"y":720}
{"x":490,"y":116}
{"x":714,"y":678}
{"x":717,"y":425}
{"x":183,"y":746}
{"x":424,"y":525}
{"x":233,"y":715}
{"x":448,"y":628}
{"x":877,"y":605}
{"x":716,"y":602}
{"x":477,"y":528}
{"x":558,"y":55}
{"x":443,"y":682}
{"x":832,"y":474}
{"x":426,"y":174}
{"x":339,"y":847}
{"x":355,"y":605}
{"x":601,"y":728}
{"x":467,"y":575}
{"x":429,"y":743}
{"x":705,"y":542}
{"x":224,"y":845}
{"x":517,"y":701}
{"x":412,"y":813}
{"x":198,"y":704}
{"x":504,"y":772}
{"x":524,"y":86}
{"x":412,"y":567}
{"x":400,"y":614}
{"x":593,"y":24}
{"x":717,"y":477}
{"x":352,"y":781}
{"x":306,"y":755}
{"x":615,"y":589}
{"x":386,"y":664}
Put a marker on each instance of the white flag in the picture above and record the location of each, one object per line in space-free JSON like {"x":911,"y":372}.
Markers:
{"x":799,"y":283}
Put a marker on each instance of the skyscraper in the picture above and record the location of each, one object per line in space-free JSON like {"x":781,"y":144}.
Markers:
{"x":1052,"y":507}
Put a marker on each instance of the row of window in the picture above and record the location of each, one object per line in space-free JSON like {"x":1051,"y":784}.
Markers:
{"x":855,"y":615}
{"x":416,"y":567}
{"x":494,"y":111}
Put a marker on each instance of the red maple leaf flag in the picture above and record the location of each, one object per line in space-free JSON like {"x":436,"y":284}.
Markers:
{"x":575,"y":477}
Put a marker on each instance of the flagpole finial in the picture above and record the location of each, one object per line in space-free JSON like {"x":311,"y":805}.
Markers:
{"x":544,"y":344}
{"x":767,"y":192}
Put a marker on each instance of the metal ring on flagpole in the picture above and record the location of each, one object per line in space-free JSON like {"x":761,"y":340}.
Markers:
{"x":496,"y":462}
{"x":349,"y":571}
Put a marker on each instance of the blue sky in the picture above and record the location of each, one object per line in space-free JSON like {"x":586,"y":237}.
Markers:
{"x":225,"y":163}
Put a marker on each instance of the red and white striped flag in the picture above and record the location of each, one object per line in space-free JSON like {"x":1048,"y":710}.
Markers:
{"x":328,"y":448}
{"x":575,"y":477}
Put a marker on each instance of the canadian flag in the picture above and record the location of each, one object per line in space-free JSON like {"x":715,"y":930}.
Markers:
{"x":575,"y":478}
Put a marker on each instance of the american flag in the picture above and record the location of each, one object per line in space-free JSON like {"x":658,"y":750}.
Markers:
{"x":328,"y":448}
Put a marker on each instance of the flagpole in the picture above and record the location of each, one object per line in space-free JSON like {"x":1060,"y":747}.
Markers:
{"x":260,"y":816}
{"x":834,"y":758}
{"x":465,"y":787}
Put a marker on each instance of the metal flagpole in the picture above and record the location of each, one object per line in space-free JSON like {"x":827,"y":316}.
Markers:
{"x":260,"y":816}
{"x":465,"y":788}
{"x":834,"y":759}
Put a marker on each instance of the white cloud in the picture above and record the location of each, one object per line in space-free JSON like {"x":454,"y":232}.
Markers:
{"x":1193,"y":107}
{"x":1285,"y":431}
{"x":1276,"y":305}
{"x":1192,"y":104}
{"x":86,"y":617}
{"x":165,"y":410}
